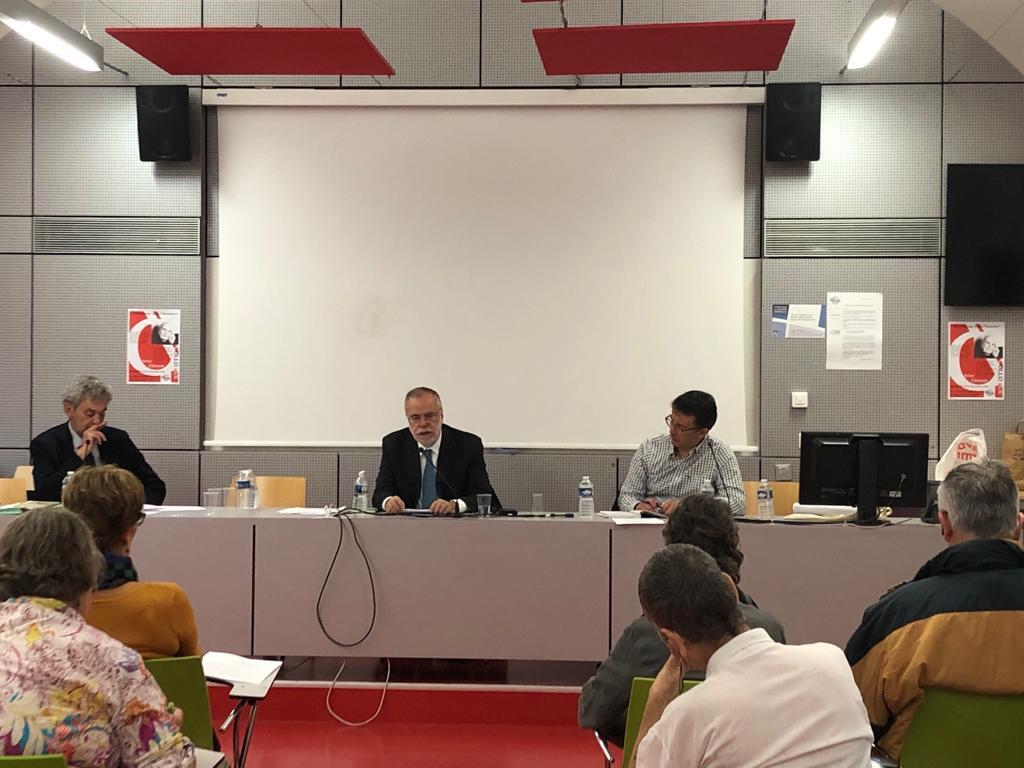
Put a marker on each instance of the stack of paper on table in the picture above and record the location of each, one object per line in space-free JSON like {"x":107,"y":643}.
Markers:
{"x":229,"y":668}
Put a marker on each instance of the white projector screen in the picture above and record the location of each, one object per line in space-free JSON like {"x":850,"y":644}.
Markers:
{"x":559,"y":274}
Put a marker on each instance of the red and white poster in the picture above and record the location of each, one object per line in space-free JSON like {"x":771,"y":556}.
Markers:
{"x":154,"y":354}
{"x":977,"y":368}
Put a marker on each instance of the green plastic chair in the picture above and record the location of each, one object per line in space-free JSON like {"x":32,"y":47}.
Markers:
{"x":953,"y":729}
{"x":34,"y":761}
{"x":638,"y":694}
{"x":182,"y":681}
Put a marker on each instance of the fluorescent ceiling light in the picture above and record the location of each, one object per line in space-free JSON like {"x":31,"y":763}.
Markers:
{"x":48,"y":33}
{"x":873,"y":32}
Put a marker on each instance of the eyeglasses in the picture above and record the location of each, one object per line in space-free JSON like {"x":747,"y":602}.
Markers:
{"x":141,"y":520}
{"x":676,"y":428}
{"x":417,"y":418}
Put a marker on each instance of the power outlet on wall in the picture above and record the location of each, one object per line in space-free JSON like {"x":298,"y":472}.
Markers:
{"x":783,"y":471}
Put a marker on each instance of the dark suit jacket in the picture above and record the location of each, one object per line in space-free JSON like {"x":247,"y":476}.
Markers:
{"x":53,"y":456}
{"x":461,"y":471}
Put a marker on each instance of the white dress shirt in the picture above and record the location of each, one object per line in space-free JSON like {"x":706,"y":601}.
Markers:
{"x":765,"y":704}
{"x":76,"y":441}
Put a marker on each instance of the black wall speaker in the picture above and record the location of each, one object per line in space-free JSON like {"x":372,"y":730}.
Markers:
{"x":792,"y":120}
{"x":163,"y":122}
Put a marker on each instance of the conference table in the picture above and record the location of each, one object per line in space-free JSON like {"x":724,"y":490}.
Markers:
{"x":517,"y":588}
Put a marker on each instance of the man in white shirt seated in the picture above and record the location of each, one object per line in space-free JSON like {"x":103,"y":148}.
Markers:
{"x":761,"y":704}
{"x":687,"y":460}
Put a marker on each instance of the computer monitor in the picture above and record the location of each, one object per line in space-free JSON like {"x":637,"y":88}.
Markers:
{"x":864,"y":470}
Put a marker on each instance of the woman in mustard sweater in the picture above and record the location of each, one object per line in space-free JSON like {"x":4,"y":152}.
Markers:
{"x":155,"y":618}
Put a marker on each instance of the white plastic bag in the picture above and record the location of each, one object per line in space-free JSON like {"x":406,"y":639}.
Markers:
{"x":968,"y":446}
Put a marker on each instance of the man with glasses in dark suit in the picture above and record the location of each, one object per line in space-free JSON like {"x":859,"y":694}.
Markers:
{"x":431,"y":465}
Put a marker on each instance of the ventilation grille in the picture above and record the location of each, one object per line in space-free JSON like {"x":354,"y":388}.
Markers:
{"x":149,"y":236}
{"x":852,"y":237}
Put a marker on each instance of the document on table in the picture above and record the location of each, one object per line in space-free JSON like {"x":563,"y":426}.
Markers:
{"x":229,"y":668}
{"x":207,"y":758}
{"x":304,"y":511}
{"x":152,"y":509}
{"x":854,"y":332}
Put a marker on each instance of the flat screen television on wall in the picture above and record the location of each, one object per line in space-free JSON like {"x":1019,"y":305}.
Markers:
{"x":985,"y":235}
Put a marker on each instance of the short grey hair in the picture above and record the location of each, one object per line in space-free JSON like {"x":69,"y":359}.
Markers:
{"x":981,"y":500}
{"x":48,"y":552}
{"x":87,"y":388}
{"x":422,"y":392}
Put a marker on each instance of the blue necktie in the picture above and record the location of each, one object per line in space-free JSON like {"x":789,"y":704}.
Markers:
{"x":428,"y":483}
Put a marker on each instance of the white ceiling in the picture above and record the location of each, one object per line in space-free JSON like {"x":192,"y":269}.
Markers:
{"x":1000,"y":22}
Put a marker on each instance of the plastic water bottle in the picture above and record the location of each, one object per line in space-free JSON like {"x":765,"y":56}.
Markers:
{"x":765,"y":502}
{"x":246,"y":489}
{"x":586,"y":504}
{"x":65,"y":481}
{"x":359,"y":501}
{"x":707,"y":488}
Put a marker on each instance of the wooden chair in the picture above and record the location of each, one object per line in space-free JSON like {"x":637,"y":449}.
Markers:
{"x":12,"y":490}
{"x":274,"y":491}
{"x":786,"y":494}
{"x":281,"y":491}
{"x":25,"y":473}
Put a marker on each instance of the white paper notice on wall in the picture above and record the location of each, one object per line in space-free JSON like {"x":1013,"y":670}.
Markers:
{"x":853,"y":332}
{"x":977,"y":368}
{"x":154,"y":354}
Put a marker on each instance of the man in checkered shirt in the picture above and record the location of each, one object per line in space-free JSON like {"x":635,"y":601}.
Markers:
{"x":664,"y":469}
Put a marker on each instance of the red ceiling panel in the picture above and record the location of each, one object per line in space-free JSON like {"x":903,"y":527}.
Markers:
{"x":256,"y":50}
{"x":716,"y":46}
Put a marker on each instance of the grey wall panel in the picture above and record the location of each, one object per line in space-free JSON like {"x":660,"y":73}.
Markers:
{"x":902,"y":397}
{"x":839,"y":238}
{"x":753,"y":196}
{"x":982,"y":123}
{"x":968,"y":58}
{"x":284,"y":13}
{"x":516,"y":477}
{"x":180,"y":470}
{"x":15,"y":60}
{"x":80,"y":322}
{"x":107,"y":235}
{"x":510,"y":56}
{"x":320,"y":468}
{"x":15,"y":149}
{"x":15,"y":234}
{"x":97,"y":16}
{"x":212,"y":190}
{"x":350,"y":462}
{"x":674,"y":11}
{"x":994,"y":417}
{"x":92,"y":133}
{"x":750,"y":467}
{"x":879,"y":157}
{"x":15,"y":350}
{"x":429,"y":43}
{"x":11,"y":460}
{"x":817,"y":51}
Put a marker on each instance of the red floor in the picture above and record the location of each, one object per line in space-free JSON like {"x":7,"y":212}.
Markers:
{"x":283,"y":744}
{"x":417,"y":727}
